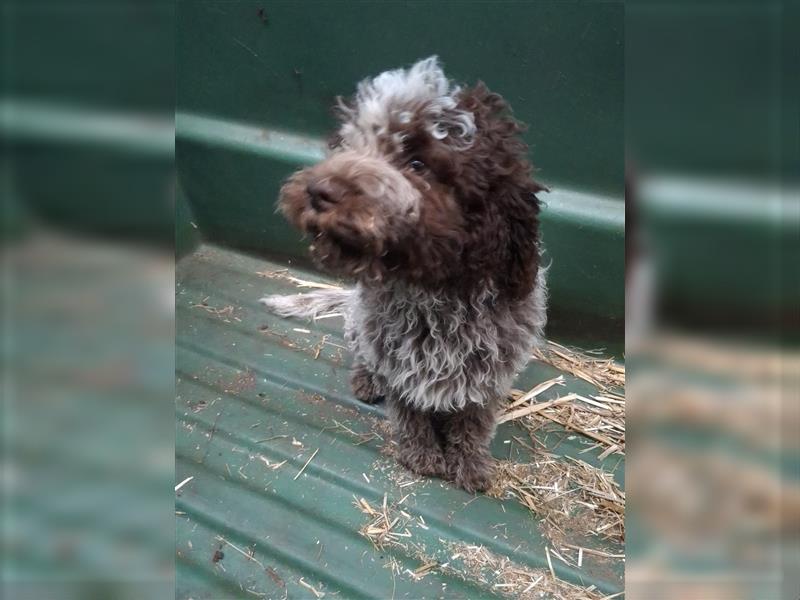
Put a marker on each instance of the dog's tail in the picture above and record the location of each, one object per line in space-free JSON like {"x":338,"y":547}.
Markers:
{"x":310,"y":305}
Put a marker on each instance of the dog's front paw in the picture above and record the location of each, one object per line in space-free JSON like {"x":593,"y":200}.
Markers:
{"x":365,"y":385}
{"x":429,"y":463}
{"x":472,"y":473}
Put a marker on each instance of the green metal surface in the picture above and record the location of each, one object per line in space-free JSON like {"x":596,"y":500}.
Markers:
{"x":187,"y":233}
{"x":251,"y":393}
{"x":84,"y":170}
{"x":684,"y":63}
{"x":86,"y":108}
{"x":96,"y":54}
{"x":754,"y":225}
{"x":87,"y":366}
{"x":560,"y":64}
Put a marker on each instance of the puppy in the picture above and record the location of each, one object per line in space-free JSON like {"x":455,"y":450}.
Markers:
{"x":426,"y":201}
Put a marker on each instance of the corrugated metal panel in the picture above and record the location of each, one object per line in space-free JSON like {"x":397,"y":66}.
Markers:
{"x":257,"y":397}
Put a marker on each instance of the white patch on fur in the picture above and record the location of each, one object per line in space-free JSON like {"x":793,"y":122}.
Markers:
{"x":539,"y":304}
{"x":310,"y":305}
{"x":399,"y":94}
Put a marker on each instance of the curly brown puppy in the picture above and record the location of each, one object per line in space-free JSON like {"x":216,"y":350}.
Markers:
{"x":427,"y":201}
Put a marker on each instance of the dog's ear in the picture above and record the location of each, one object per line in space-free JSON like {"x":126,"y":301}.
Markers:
{"x":521,"y":209}
{"x":498,"y":153}
{"x":499,"y":159}
{"x":493,"y":117}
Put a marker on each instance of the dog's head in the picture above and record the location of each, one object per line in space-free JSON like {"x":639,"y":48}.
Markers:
{"x":425,"y":182}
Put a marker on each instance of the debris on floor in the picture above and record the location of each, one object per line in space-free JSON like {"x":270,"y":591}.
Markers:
{"x":602,"y":372}
{"x":502,"y":576}
{"x":600,"y":418}
{"x":283,"y":388}
{"x":571,"y":498}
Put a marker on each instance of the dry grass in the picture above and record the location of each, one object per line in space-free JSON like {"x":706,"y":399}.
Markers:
{"x":503,"y":576}
{"x":600,"y":418}
{"x":389,"y":527}
{"x":226,"y":313}
{"x":285,"y":275}
{"x":603,"y":373}
{"x":308,"y":586}
{"x":572,"y":499}
{"x":361,"y":438}
{"x":249,"y":554}
{"x":389,"y":524}
{"x":314,"y":351}
{"x":310,"y":458}
{"x":183,"y":483}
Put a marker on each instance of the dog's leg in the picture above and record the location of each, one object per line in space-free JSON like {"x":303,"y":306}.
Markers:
{"x":418,"y":446}
{"x":366,"y":385}
{"x":467,"y":435}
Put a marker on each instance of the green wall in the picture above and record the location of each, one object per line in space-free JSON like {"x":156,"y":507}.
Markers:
{"x":256,"y":82}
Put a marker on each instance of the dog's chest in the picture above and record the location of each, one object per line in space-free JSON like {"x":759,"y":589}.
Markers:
{"x":437,"y":351}
{"x":401,"y":319}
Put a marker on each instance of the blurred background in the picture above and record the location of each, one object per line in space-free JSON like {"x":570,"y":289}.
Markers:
{"x":712,"y":307}
{"x":86,"y":120}
{"x":713,"y":302}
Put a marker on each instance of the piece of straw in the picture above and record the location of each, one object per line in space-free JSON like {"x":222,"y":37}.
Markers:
{"x":183,"y":483}
{"x":310,"y":458}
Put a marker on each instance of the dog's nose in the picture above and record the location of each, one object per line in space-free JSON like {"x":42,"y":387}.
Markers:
{"x":324,"y":193}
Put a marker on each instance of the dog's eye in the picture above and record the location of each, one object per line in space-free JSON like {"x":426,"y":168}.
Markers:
{"x":334,"y":142}
{"x":417,"y":165}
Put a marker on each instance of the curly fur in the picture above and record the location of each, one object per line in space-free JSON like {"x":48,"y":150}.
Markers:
{"x":441,"y":351}
{"x":428,"y":203}
{"x":398,"y":96}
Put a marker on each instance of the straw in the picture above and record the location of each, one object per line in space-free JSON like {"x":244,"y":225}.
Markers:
{"x":310,"y":458}
{"x":283,"y":275}
{"x":603,"y":373}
